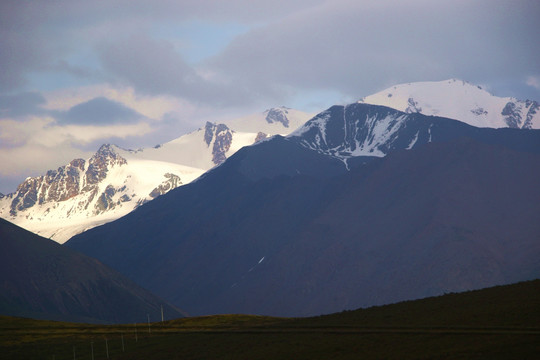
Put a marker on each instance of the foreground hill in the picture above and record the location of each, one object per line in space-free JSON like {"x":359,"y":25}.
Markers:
{"x":301,"y":225}
{"x":495,"y":323}
{"x":41,"y":279}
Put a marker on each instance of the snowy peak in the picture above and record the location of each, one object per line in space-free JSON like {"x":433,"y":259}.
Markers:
{"x":87,"y":193}
{"x":460,"y":100}
{"x":361,"y":130}
{"x":100,"y":163}
{"x":57,"y":185}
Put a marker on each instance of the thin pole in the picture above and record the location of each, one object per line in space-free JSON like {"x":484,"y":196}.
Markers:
{"x":162,"y":314}
{"x":74,"y":358}
{"x":135,"y":332}
{"x":148,"y":316}
{"x":123,"y":343}
{"x":92,"y":349}
{"x":107,"y":347}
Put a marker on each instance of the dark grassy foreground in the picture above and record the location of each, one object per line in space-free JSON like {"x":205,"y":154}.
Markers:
{"x":496,"y":323}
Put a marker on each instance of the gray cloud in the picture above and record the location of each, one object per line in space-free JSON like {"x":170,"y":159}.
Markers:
{"x":360,"y":47}
{"x":39,"y":36}
{"x":21,"y":104}
{"x":155,"y":67}
{"x":149,"y":65}
{"x":99,"y":111}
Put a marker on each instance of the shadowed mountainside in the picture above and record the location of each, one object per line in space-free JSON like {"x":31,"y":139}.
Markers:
{"x":42,"y":279}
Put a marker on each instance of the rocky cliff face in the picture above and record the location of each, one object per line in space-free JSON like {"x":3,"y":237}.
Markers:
{"x":73,"y":197}
{"x":99,"y":164}
{"x":68,"y":181}
{"x":219,"y":136}
{"x":171,"y":181}
{"x":277,"y":115}
{"x":57,"y":185}
{"x":520,"y":114}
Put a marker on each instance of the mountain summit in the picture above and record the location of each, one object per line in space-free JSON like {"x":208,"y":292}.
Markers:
{"x":457,"y":99}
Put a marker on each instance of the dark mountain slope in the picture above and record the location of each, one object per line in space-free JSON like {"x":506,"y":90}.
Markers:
{"x":41,"y":279}
{"x":448,"y":217}
{"x":282,"y":228}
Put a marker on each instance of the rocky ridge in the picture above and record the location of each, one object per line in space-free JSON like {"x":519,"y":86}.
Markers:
{"x":59,"y":203}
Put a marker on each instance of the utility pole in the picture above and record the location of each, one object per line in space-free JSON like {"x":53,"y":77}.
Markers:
{"x":148,"y":316}
{"x":162,"y":314}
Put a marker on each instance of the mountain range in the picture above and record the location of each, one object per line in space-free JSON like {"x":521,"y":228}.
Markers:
{"x":363,"y":205}
{"x":368,"y":203}
{"x":114,"y":181}
{"x":44,"y":280}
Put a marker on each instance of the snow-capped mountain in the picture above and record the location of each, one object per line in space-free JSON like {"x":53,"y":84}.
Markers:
{"x":212,"y":144}
{"x":114,"y":181}
{"x":360,"y":130}
{"x":87,"y":193}
{"x":457,"y":99}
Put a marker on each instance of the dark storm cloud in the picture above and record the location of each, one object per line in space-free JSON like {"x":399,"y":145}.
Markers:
{"x":99,"y":111}
{"x":21,"y":104}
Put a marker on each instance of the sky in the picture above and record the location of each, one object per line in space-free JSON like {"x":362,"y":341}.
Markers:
{"x":76,"y":74}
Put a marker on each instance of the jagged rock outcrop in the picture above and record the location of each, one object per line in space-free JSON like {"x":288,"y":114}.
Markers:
{"x":277,"y":115}
{"x":99,"y":164}
{"x":413,"y":107}
{"x":57,"y":185}
{"x":260,"y":136}
{"x":220,"y":137}
{"x":85,"y":193}
{"x":67,"y":182}
{"x":171,"y":181}
{"x":520,"y":114}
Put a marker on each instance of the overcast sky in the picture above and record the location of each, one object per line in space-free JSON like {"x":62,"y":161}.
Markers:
{"x":77,"y":73}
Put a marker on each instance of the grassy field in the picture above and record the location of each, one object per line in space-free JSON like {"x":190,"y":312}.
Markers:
{"x":496,"y":323}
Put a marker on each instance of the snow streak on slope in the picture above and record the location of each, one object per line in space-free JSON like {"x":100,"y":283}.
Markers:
{"x":459,"y":100}
{"x":359,"y":130}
